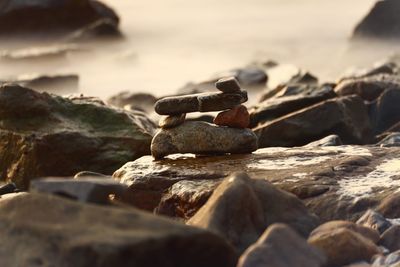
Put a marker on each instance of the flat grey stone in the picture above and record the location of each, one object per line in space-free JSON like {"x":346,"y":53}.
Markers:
{"x":228,"y":85}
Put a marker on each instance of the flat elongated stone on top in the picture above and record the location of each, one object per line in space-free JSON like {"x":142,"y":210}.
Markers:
{"x":199,"y":103}
{"x":202,"y":138}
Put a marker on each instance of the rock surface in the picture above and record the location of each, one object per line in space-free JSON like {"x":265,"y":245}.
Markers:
{"x":336,"y":183}
{"x":51,"y":16}
{"x":238,"y":117}
{"x":43,"y":135}
{"x":385,"y":112}
{"x":62,"y":232}
{"x":240,"y":209}
{"x":172,"y":121}
{"x":280,"y":246}
{"x":390,"y":239}
{"x":202,"y":138}
{"x":374,"y":220}
{"x":346,"y":117}
{"x":390,"y":140}
{"x":228,"y":85}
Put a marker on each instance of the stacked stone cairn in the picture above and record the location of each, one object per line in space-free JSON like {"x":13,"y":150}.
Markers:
{"x":228,"y":135}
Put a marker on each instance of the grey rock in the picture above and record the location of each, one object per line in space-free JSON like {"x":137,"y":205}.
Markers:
{"x":100,"y":29}
{"x":199,"y":102}
{"x":228,"y":85}
{"x":280,"y":246}
{"x":202,"y":138}
{"x":91,"y":190}
{"x":330,"y":140}
{"x":390,"y":239}
{"x":8,"y":188}
{"x":391,"y":260}
{"x":374,"y":220}
{"x":251,"y":76}
{"x":390,"y":140}
{"x":172,"y":121}
{"x":54,"y":231}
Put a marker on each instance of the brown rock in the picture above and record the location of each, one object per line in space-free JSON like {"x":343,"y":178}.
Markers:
{"x":331,"y":226}
{"x":238,"y":117}
{"x":343,"y":246}
{"x":390,"y":239}
{"x":280,"y":246}
{"x":374,"y":220}
{"x":240,"y":209}
{"x":390,"y":206}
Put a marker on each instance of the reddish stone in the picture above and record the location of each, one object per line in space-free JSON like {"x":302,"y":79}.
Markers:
{"x":238,"y":117}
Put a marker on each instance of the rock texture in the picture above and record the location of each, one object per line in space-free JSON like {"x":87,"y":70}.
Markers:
{"x":240,"y":209}
{"x":53,"y":231}
{"x":202,"y":138}
{"x":280,"y":246}
{"x":237,"y":117}
{"x":390,"y":238}
{"x":43,"y":135}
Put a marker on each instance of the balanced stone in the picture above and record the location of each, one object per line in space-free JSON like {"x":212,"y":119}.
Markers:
{"x":202,"y":138}
{"x":172,"y":121}
{"x":199,"y":103}
{"x":238,"y":117}
{"x":228,"y":85}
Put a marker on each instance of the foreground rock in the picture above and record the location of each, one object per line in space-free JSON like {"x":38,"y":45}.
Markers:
{"x":51,"y":16}
{"x":346,"y":117}
{"x":280,"y":246}
{"x":336,"y":183}
{"x":240,"y":209}
{"x":202,"y":138}
{"x":43,"y":135}
{"x":382,"y":22}
{"x":61,"y":232}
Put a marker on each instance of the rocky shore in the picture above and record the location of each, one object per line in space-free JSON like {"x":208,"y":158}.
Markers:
{"x":228,"y":172}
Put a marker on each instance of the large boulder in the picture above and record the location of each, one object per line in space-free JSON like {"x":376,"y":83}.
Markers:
{"x":382,"y":22}
{"x":46,"y":135}
{"x":54,"y":231}
{"x":346,"y":117}
{"x":50,"y":16}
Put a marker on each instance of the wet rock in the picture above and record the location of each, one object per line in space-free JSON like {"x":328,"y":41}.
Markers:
{"x":69,"y":233}
{"x":228,"y":85}
{"x":343,"y":246}
{"x":172,"y":121}
{"x":280,"y":246}
{"x":367,"y":232}
{"x":7,"y":188}
{"x":368,"y":88}
{"x":51,"y":16}
{"x":140,"y":101}
{"x":385,"y":111}
{"x":240,"y":209}
{"x":382,"y":22}
{"x":330,"y":140}
{"x":345,"y":116}
{"x":279,"y":106}
{"x":202,"y":138}
{"x":390,"y":238}
{"x":199,"y":103}
{"x":390,"y":140}
{"x":88,"y":189}
{"x":374,"y":220}
{"x":238,"y":117}
{"x":186,"y":197}
{"x":336,"y":183}
{"x":100,"y":29}
{"x":43,"y":135}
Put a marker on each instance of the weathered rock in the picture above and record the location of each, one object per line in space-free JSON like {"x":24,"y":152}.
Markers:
{"x":280,"y":246}
{"x":186,"y":197}
{"x":343,"y":246}
{"x":100,"y":29}
{"x":278,"y":106}
{"x":172,"y":121}
{"x":43,"y":135}
{"x":238,"y":117}
{"x":228,"y":85}
{"x":367,"y":232}
{"x":54,"y":231}
{"x":382,"y":22}
{"x":336,"y":183}
{"x":240,"y":209}
{"x":345,"y":116}
{"x":141,"y":101}
{"x":330,"y":140}
{"x":199,"y":102}
{"x":374,"y":220}
{"x":91,"y":190}
{"x":51,"y":16}
{"x":390,"y":239}
{"x":202,"y":138}
{"x":390,"y":140}
{"x":385,"y":112}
